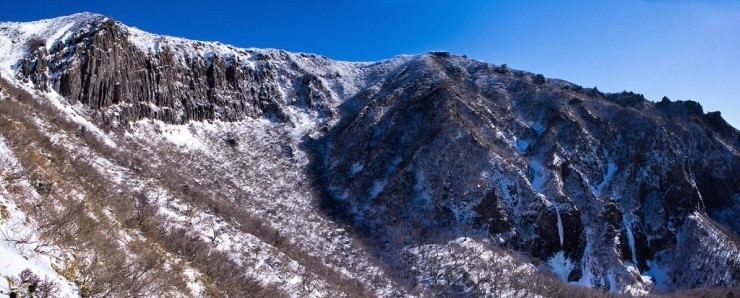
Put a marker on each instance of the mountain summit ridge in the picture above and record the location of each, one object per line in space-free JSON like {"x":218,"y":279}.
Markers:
{"x":428,"y":174}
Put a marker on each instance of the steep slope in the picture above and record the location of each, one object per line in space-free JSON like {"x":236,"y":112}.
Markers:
{"x":604,"y":183}
{"x":215,"y":170}
{"x":218,"y":199}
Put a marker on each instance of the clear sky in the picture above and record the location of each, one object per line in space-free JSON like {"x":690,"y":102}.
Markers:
{"x":683,"y":49}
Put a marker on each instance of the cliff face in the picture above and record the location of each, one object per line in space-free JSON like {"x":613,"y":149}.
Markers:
{"x":127,"y":75}
{"x":452,"y":145}
{"x":417,"y":152}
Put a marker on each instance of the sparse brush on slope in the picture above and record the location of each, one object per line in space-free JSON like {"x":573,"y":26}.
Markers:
{"x":150,"y":165}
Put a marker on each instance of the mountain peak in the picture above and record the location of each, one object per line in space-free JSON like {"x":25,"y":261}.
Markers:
{"x":228,"y":169}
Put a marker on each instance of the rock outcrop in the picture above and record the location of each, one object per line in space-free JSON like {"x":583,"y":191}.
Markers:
{"x":102,"y":65}
{"x":451,"y":145}
{"x":427,"y":149}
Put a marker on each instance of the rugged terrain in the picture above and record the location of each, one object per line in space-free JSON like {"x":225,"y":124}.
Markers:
{"x":139,"y":164}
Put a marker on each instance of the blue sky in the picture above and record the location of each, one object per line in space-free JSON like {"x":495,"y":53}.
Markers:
{"x":682,"y":49}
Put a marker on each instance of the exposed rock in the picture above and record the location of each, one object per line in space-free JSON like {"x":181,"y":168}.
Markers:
{"x":421,"y":150}
{"x":101,"y":68}
{"x":451,"y":144}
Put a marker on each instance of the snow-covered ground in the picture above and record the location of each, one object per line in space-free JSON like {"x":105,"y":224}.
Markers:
{"x":21,"y":247}
{"x":242,"y":187}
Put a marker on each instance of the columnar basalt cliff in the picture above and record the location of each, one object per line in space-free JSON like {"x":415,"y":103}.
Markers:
{"x":417,"y":156}
{"x":116,"y":71}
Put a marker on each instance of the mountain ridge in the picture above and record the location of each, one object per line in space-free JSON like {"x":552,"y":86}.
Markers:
{"x":418,"y":156}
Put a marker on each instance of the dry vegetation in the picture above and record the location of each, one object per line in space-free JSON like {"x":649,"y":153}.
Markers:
{"x":71,"y":212}
{"x":116,"y":243}
{"x":84,"y":212}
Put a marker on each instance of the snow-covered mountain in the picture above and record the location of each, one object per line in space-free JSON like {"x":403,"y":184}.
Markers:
{"x":140,"y":164}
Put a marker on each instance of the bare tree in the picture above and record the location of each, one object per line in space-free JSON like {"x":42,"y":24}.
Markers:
{"x":10,"y":171}
{"x":34,"y":286}
{"x":309,"y":282}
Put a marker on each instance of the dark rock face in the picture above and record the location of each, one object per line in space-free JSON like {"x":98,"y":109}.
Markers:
{"x":34,"y":67}
{"x":100,"y":67}
{"x":450,"y":146}
{"x":438,"y":146}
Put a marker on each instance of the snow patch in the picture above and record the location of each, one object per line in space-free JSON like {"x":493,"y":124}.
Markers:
{"x":611,"y":169}
{"x":377,"y":188}
{"x":587,"y":276}
{"x":522,"y":145}
{"x":195,"y":286}
{"x":560,"y":265}
{"x":655,"y":273}
{"x":356,"y":168}
{"x":538,"y":128}
{"x":538,"y":178}
{"x":556,"y":160}
{"x":181,"y":136}
{"x":15,"y":256}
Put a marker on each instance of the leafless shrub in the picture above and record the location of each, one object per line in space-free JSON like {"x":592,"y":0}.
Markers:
{"x":34,"y":42}
{"x":308,"y":284}
{"x":100,"y":266}
{"x":706,"y":293}
{"x":36,"y":287}
{"x":143,"y":212}
{"x":227,"y":278}
{"x":10,"y":171}
{"x":47,"y":289}
{"x":4,"y":213}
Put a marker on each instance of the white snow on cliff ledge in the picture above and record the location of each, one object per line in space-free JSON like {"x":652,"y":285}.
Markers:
{"x":14,"y":36}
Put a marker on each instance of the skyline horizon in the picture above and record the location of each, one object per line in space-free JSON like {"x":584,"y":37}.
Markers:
{"x":706,"y":79}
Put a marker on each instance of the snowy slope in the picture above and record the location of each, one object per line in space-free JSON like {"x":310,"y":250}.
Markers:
{"x":20,"y":244}
{"x":308,"y":177}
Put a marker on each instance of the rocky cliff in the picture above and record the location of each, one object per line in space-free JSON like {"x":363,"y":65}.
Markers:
{"x":127,"y":75}
{"x":610,"y":191}
{"x":611,"y":180}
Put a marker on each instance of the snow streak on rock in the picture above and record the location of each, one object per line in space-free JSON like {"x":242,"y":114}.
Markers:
{"x":395,"y":177}
{"x":560,"y":225}
{"x":631,"y":240}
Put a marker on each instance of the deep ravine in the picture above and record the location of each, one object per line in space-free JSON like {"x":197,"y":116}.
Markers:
{"x":420,"y":175}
